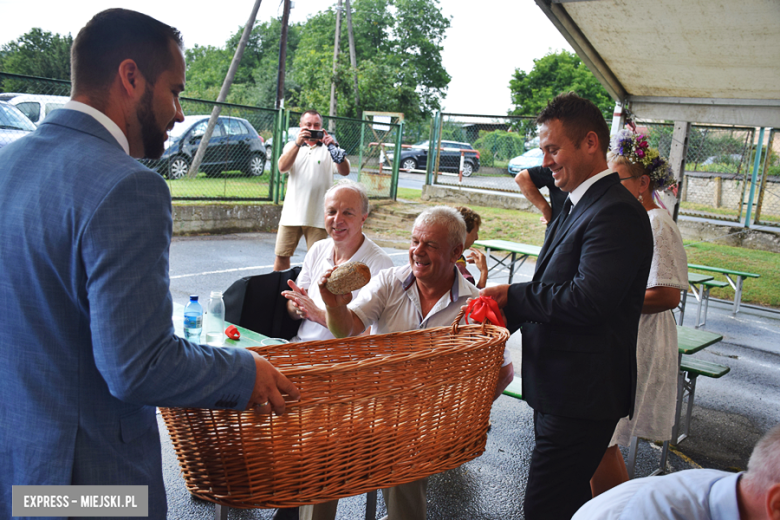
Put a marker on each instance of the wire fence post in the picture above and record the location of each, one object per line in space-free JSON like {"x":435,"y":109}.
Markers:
{"x":754,"y":176}
{"x":396,"y":162}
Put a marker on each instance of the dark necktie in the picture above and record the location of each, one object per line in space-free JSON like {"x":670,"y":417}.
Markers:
{"x":565,"y":211}
{"x":558,"y":222}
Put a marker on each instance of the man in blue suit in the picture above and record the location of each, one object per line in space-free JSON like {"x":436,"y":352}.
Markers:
{"x":87,"y":347}
{"x":580,"y":313}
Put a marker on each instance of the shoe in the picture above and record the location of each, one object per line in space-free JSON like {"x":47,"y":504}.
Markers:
{"x":287,"y":513}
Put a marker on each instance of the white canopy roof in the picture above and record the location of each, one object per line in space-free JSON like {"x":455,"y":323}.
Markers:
{"x":701,"y":61}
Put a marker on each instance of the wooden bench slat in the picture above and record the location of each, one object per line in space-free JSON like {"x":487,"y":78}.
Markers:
{"x":703,"y":368}
{"x":723,"y":271}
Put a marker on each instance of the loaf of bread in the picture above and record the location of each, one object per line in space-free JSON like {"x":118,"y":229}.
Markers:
{"x":348,"y":277}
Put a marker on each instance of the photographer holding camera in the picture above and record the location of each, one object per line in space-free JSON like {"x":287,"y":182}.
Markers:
{"x":310,"y":160}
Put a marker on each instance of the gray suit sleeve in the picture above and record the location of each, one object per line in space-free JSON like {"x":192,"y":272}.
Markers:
{"x":125,"y":250}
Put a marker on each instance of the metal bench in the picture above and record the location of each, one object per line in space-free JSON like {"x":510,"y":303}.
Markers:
{"x":733,"y":277}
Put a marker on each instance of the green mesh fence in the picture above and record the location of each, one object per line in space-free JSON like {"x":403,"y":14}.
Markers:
{"x":474,"y":151}
{"x":367,"y":142}
{"x":718,"y":166}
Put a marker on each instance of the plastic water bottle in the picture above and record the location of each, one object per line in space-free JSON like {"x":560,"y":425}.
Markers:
{"x":193,"y":319}
{"x":215,"y":319}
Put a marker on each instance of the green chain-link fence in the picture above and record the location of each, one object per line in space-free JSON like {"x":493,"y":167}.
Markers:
{"x":718,"y":167}
{"x":768,"y":197}
{"x":364,"y":141}
{"x":240,"y":161}
{"x":473,"y":151}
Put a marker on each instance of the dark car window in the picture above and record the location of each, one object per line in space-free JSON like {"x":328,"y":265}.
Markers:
{"x":51,"y":107}
{"x":200,"y":129}
{"x":30,"y":109}
{"x":235,"y":127}
{"x":12,"y":119}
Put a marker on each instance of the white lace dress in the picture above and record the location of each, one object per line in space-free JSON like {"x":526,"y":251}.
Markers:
{"x":656,"y":349}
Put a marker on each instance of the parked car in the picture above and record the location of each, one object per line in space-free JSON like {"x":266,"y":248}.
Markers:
{"x":35,"y":106}
{"x":13,"y":124}
{"x":733,"y":158}
{"x":529,"y":159}
{"x":234,"y":145}
{"x":292,"y":134}
{"x":416,"y":157}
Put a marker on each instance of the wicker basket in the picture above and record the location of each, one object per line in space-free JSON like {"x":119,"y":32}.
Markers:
{"x":375,"y":411}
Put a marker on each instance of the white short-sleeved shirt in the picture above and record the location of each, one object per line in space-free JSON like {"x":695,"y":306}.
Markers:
{"x":391,"y":303}
{"x":693,"y":494}
{"x":310,"y":177}
{"x":318,"y":260}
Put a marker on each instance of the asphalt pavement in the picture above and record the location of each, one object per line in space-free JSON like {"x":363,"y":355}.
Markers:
{"x":730,"y":413}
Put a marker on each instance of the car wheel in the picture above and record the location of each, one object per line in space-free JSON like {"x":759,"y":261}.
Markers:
{"x":409,"y":164}
{"x":468,"y":169}
{"x":177,"y":168}
{"x":256,"y":165}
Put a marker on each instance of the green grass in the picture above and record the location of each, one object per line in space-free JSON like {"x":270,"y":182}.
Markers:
{"x":759,"y":291}
{"x":518,"y":226}
{"x":228,"y":184}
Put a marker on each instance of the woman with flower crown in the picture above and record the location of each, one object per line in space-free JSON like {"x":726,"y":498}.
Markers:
{"x":643,"y":172}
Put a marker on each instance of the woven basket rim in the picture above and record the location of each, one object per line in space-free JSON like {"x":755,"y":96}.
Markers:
{"x":492,"y":334}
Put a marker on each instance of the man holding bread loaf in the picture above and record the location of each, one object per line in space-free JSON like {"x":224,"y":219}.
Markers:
{"x":346,"y":209}
{"x":426,"y":293}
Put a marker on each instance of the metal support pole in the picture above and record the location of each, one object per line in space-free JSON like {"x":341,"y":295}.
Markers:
{"x":396,"y":162}
{"x":431,"y":147}
{"x":618,"y":119}
{"x":677,"y":155}
{"x":754,"y":176}
{"x":360,"y":149}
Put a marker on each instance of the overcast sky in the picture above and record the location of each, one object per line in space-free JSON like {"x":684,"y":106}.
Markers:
{"x":486,"y":42}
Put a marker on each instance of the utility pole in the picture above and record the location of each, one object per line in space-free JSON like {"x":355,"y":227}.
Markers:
{"x":192,"y":172}
{"x":282,"y":55}
{"x":332,"y":123}
{"x":352,"y":57}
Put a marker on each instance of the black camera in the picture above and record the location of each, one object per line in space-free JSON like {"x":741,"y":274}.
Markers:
{"x":316,"y":134}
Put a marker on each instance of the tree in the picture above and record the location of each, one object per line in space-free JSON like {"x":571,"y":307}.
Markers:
{"x":551,"y":75}
{"x":398,"y":44}
{"x":255,"y":81}
{"x":36,"y":53}
{"x":398,"y":48}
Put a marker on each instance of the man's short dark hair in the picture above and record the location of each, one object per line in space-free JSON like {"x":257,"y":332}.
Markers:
{"x":113,"y":36}
{"x":579,"y":116}
{"x":314,"y":113}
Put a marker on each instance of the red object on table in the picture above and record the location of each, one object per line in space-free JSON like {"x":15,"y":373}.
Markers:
{"x":232,"y":332}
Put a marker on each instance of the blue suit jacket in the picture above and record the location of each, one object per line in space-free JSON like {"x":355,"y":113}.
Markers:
{"x":580,"y":313}
{"x":87,"y":346}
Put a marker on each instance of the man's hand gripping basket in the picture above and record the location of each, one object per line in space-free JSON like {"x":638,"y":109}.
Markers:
{"x":375,"y":411}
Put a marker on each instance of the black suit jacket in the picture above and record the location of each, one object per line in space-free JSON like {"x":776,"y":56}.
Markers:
{"x":580,"y":314}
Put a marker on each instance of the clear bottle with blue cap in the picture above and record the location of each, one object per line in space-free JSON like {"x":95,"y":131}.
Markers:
{"x":193,"y":319}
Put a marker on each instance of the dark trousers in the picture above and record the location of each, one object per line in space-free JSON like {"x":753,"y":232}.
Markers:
{"x":566,"y":456}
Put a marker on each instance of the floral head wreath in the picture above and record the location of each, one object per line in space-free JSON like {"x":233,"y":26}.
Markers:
{"x":635,"y":149}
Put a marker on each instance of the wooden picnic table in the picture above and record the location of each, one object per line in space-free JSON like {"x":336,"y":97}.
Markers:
{"x":734,"y":278}
{"x":518,"y":253}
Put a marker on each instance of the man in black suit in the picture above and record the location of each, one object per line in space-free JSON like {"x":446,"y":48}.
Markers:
{"x":580,"y":313}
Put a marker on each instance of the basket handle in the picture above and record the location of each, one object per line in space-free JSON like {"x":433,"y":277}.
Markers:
{"x":456,"y":323}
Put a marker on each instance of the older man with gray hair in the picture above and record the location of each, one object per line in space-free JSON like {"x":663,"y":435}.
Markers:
{"x":346,"y":209}
{"x":426,"y":293}
{"x":699,"y":494}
